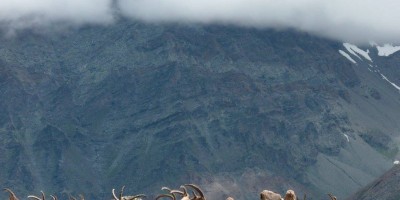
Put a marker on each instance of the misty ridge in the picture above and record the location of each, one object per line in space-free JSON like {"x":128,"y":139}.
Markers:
{"x":357,"y":21}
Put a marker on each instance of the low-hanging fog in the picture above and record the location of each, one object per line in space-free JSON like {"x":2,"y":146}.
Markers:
{"x":347,"y":20}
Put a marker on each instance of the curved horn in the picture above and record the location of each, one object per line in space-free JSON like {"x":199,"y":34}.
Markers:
{"x":122,"y":191}
{"x":82,"y":197}
{"x":12,"y":195}
{"x":53,"y":197}
{"x":169,"y":190}
{"x":185,"y":193}
{"x":139,"y":196}
{"x":34,"y":197}
{"x":177,"y":191}
{"x":166,"y":195}
{"x":113,"y":193}
{"x":173,"y":194}
{"x":195,"y":187}
{"x":43,"y":196}
{"x":195,"y":195}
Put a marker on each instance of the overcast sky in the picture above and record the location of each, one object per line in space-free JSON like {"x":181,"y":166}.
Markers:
{"x":347,"y":20}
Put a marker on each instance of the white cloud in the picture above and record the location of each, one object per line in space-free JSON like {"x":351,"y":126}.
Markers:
{"x":348,"y":20}
{"x":19,"y":14}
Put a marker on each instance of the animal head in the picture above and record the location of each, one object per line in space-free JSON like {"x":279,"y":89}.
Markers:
{"x":290,"y":195}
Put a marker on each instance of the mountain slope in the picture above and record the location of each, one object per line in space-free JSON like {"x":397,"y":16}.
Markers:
{"x":385,"y":187}
{"x":235,"y":110}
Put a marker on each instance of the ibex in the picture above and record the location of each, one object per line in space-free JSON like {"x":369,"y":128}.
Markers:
{"x":269,"y":195}
{"x":184,"y":193}
{"x":121,"y":197}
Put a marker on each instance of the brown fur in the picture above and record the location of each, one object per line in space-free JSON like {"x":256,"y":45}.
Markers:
{"x":269,"y":195}
{"x":290,"y":195}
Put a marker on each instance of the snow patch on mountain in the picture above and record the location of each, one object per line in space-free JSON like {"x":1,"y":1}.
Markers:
{"x":353,"y":49}
{"x":387,"y":50}
{"x":347,"y":137}
{"x":347,"y":56}
{"x":394,"y":85}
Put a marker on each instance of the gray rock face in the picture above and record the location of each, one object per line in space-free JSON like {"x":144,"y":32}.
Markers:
{"x":384,"y":187}
{"x":234,"y":110}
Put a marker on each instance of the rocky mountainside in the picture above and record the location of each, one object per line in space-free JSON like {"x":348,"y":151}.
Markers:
{"x":235,"y":110}
{"x":385,"y":187}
